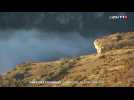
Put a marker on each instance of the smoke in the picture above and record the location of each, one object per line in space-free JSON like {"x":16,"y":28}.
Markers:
{"x":29,"y":45}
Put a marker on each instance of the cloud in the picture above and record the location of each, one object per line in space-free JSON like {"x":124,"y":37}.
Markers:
{"x":26,"y":46}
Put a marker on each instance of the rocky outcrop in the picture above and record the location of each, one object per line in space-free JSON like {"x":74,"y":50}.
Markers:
{"x":114,"y":41}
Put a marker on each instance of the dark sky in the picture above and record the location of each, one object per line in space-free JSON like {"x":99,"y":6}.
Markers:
{"x":64,"y":21}
{"x":41,"y":36}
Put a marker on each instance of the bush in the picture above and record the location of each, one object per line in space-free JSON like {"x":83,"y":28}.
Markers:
{"x":61,"y":71}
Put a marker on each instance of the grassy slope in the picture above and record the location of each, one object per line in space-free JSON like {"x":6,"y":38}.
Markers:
{"x":113,"y":68}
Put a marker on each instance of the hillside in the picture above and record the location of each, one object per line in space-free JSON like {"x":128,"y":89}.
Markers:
{"x":113,"y":66}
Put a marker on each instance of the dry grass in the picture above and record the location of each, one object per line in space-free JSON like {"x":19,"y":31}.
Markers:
{"x":114,"y":68}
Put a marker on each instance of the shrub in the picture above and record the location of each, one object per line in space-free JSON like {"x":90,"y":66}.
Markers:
{"x":61,"y":71}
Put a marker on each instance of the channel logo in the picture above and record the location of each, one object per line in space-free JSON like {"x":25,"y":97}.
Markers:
{"x":125,"y":18}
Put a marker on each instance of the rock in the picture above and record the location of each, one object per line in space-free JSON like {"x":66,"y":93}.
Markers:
{"x":19,"y":76}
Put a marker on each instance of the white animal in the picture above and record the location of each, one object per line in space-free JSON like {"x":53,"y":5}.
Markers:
{"x":98,"y":46}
